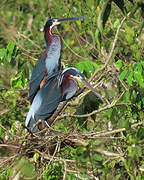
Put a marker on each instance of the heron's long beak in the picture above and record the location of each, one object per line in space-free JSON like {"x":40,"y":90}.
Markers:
{"x":72,"y":18}
{"x":92,"y":89}
{"x":81,"y":78}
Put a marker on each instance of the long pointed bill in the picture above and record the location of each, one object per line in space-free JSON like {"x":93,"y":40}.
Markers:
{"x":92,"y":89}
{"x":73,"y":18}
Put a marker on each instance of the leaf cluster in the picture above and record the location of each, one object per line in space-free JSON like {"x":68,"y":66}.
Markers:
{"x":98,"y":141}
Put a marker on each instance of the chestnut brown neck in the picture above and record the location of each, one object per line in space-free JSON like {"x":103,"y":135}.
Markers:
{"x":48,"y":36}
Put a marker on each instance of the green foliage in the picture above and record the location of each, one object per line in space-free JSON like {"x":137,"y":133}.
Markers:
{"x":53,"y":172}
{"x":25,"y":169}
{"x":86,"y":44}
{"x":87,"y":67}
{"x":6,"y":175}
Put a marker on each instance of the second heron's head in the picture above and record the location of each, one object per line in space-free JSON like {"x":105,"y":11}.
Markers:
{"x":77,"y":75}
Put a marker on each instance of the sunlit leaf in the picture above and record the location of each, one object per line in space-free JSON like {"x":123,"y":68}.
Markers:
{"x":130,"y":78}
{"x":123,"y":74}
{"x":119,"y":64}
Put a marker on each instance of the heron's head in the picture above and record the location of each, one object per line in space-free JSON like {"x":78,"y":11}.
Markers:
{"x":55,"y":21}
{"x":78,"y":76}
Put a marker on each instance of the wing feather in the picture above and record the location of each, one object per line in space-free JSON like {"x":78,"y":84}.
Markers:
{"x":36,"y":78}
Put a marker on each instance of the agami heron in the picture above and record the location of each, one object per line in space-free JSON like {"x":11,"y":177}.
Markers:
{"x":49,"y":62}
{"x":57,"y":88}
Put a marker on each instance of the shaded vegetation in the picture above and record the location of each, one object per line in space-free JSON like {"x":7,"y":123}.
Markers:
{"x":94,"y":141}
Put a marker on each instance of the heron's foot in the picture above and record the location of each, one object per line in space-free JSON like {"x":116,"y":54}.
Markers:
{"x":36,"y":126}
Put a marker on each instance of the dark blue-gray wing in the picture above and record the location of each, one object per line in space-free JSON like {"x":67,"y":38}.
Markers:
{"x":51,"y":97}
{"x":36,"y":78}
{"x":45,"y":102}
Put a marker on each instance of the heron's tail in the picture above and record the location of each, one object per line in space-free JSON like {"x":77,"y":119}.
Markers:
{"x":30,"y":122}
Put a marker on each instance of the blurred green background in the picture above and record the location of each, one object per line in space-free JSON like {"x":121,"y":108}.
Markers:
{"x":86,"y":46}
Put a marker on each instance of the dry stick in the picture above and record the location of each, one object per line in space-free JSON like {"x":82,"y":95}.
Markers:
{"x":94,"y":112}
{"x":8,"y":131}
{"x":71,"y":48}
{"x":108,"y":56}
{"x":4,"y":111}
{"x":65,"y":170}
{"x":95,"y":135}
{"x":108,"y":153}
{"x":28,"y":130}
{"x":22,"y":53}
{"x":25,"y":37}
{"x":99,"y":134}
{"x":53,"y":154}
{"x":7,"y":160}
{"x":9,"y":146}
{"x":112,"y":49}
{"x":54,"y":158}
{"x":99,"y":110}
{"x":52,"y":119}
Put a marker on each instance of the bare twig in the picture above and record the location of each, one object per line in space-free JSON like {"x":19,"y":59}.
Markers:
{"x":99,"y":134}
{"x":52,"y":119}
{"x":25,"y":37}
{"x":35,"y":59}
{"x":3,"y":162}
{"x":9,"y":146}
{"x":8,"y":131}
{"x":112,"y":49}
{"x":65,"y":170}
{"x":94,"y":112}
{"x":107,"y":153}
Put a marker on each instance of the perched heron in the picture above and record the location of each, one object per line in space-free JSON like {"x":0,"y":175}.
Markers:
{"x":49,"y":62}
{"x":58,"y":87}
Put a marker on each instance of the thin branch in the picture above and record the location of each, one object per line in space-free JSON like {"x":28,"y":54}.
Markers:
{"x":107,"y":153}
{"x":47,"y":157}
{"x":53,"y":118}
{"x":112,"y":49}
{"x":9,"y":146}
{"x":94,"y":112}
{"x":56,"y":148}
{"x":3,"y":162}
{"x":22,"y":53}
{"x":99,"y":134}
{"x":65,"y":170}
{"x":8,"y":131}
{"x":25,"y":37}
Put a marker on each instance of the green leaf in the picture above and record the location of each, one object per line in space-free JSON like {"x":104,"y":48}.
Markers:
{"x":10,"y":47}
{"x":96,"y":3}
{"x":123,"y":74}
{"x":134,"y":47}
{"x":90,"y":3}
{"x":138,"y":55}
{"x":86,"y":66}
{"x":2,"y":53}
{"x":129,"y":35}
{"x":119,"y":64}
{"x":26,"y":168}
{"x":103,"y":15}
{"x":121,"y":5}
{"x":130,"y":78}
{"x":116,"y":23}
{"x":117,"y":177}
{"x":97,"y":37}
{"x":35,"y":157}
{"x":139,"y":78}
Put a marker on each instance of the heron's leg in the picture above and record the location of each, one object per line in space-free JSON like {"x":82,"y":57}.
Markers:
{"x":36,"y":124}
{"x":44,"y":125}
